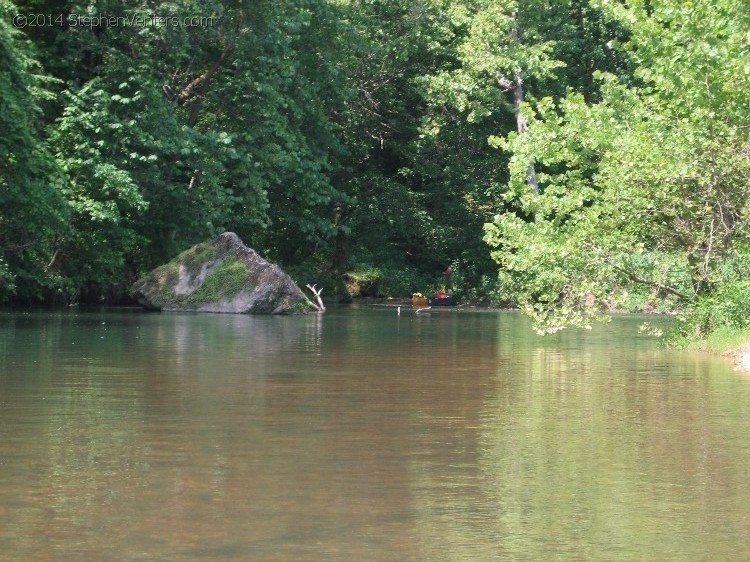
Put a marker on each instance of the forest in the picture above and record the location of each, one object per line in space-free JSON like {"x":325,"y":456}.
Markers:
{"x":565,"y":157}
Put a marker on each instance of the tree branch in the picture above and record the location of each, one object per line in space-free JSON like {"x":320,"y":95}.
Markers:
{"x":633,"y":277}
{"x":505,"y":83}
{"x":52,"y":261}
{"x":188,"y":92}
{"x":320,"y":306}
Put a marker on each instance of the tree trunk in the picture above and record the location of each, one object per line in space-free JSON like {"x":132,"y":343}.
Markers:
{"x":522,"y":128}
{"x":521,"y":125}
{"x":341,"y":250}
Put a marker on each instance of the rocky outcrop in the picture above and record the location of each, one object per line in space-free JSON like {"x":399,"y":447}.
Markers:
{"x":221,"y":276}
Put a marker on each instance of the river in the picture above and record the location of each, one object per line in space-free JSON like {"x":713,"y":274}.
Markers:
{"x":363,"y":435}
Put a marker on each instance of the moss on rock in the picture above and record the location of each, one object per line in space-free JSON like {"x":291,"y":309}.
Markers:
{"x":221,"y":276}
{"x":226,"y":280}
{"x":195,"y":257}
{"x":160,"y":283}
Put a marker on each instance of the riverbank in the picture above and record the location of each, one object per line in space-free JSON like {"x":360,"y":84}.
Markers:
{"x":740,"y":357}
{"x":730,"y":343}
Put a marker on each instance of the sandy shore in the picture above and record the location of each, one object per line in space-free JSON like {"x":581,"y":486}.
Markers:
{"x":740,"y":357}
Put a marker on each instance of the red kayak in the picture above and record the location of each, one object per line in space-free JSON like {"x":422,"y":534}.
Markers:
{"x":441,"y":299}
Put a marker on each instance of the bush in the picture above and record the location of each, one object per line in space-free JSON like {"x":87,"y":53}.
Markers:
{"x":728,"y":306}
{"x":363,"y":281}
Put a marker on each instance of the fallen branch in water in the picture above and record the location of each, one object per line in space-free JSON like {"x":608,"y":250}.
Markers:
{"x":320,"y":306}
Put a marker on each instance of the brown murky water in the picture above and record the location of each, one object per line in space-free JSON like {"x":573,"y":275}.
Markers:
{"x":362,"y":435}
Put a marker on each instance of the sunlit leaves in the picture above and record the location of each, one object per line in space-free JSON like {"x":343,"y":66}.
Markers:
{"x":656,"y":171}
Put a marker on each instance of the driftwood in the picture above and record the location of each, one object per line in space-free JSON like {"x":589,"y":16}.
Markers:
{"x":321,"y":307}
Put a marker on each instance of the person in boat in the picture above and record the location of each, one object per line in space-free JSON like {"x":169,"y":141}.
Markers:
{"x":447,"y":275}
{"x":442,"y":297}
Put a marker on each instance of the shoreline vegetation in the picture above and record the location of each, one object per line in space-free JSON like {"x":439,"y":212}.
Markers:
{"x":733,"y":344}
{"x":568,"y":159}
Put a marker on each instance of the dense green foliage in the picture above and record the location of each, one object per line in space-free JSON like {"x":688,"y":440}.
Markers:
{"x":649,"y":186}
{"x":563,"y":156}
{"x":32,"y":204}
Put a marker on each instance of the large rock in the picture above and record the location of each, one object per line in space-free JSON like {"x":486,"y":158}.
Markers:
{"x":221,"y":276}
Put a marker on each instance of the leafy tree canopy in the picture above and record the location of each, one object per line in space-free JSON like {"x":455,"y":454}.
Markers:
{"x":647,"y":187}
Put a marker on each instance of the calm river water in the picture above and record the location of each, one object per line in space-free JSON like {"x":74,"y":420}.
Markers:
{"x":363,"y":435}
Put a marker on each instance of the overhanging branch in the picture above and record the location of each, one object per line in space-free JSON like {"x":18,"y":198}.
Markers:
{"x":636,"y":279}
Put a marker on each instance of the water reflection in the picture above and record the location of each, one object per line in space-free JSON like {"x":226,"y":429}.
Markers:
{"x":595,"y":449}
{"x":360,"y":434}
